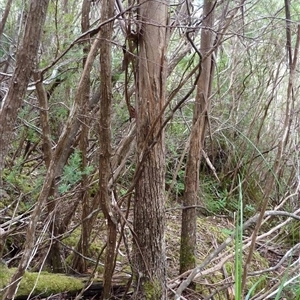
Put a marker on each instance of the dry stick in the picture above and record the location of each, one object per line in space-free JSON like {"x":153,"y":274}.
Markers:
{"x":218,"y":290}
{"x":283,"y":259}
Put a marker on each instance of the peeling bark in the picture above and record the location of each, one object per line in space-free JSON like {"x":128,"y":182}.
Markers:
{"x":149,"y":223}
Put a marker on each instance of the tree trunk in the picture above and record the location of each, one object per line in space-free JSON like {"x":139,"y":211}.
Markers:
{"x":149,"y":219}
{"x":79,"y":262}
{"x":26,"y":59}
{"x":105,"y":144}
{"x":190,"y":199}
{"x":4,"y":17}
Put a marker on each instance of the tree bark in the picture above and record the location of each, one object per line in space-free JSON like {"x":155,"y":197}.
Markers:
{"x":4,"y":17}
{"x":25,"y":62}
{"x":149,"y":219}
{"x":105,"y":144}
{"x":79,"y":262}
{"x":190,"y":198}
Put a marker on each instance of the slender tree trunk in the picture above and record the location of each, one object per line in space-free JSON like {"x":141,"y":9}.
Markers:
{"x":190,"y":199}
{"x":105,"y":144}
{"x":54,"y":256}
{"x":25,"y":63}
{"x":79,"y":262}
{"x":26,"y":59}
{"x":149,"y":219}
{"x":4,"y":16}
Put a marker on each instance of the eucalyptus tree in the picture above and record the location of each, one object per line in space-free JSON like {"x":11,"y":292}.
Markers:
{"x":149,"y":200}
{"x":196,"y":141}
{"x":212,"y":36}
{"x":5,"y":15}
{"x":79,"y":263}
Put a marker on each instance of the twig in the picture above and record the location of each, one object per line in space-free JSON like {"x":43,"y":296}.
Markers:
{"x":286,"y":255}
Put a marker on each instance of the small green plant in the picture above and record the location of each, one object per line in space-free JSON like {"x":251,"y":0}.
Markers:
{"x":17,"y":178}
{"x":238,"y":261}
{"x":253,"y":287}
{"x":282,"y":284}
{"x":214,"y":197}
{"x":72,"y":172}
{"x":297,"y":292}
{"x":178,"y":187}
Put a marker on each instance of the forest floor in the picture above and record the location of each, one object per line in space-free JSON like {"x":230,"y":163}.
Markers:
{"x":216,"y":281}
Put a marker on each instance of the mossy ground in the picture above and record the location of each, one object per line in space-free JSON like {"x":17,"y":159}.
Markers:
{"x":211,"y":233}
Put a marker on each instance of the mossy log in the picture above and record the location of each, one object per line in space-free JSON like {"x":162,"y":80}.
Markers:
{"x":55,"y":286}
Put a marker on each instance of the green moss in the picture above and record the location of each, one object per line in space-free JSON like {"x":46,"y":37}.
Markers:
{"x":94,"y":249}
{"x":5,"y":200}
{"x":187,"y":256}
{"x":152,"y":290}
{"x":45,"y":283}
{"x":229,"y":267}
{"x":211,"y":229}
{"x":73,"y":238}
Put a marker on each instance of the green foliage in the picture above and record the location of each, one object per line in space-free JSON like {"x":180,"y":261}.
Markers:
{"x":254,"y":287}
{"x":178,"y":188}
{"x":297,"y":292}
{"x":214,"y":197}
{"x":12,"y":176}
{"x":282,"y":283}
{"x":72,"y":172}
{"x":18,"y":179}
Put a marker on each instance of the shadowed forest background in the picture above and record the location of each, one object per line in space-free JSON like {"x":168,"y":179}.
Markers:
{"x":149,"y":148}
